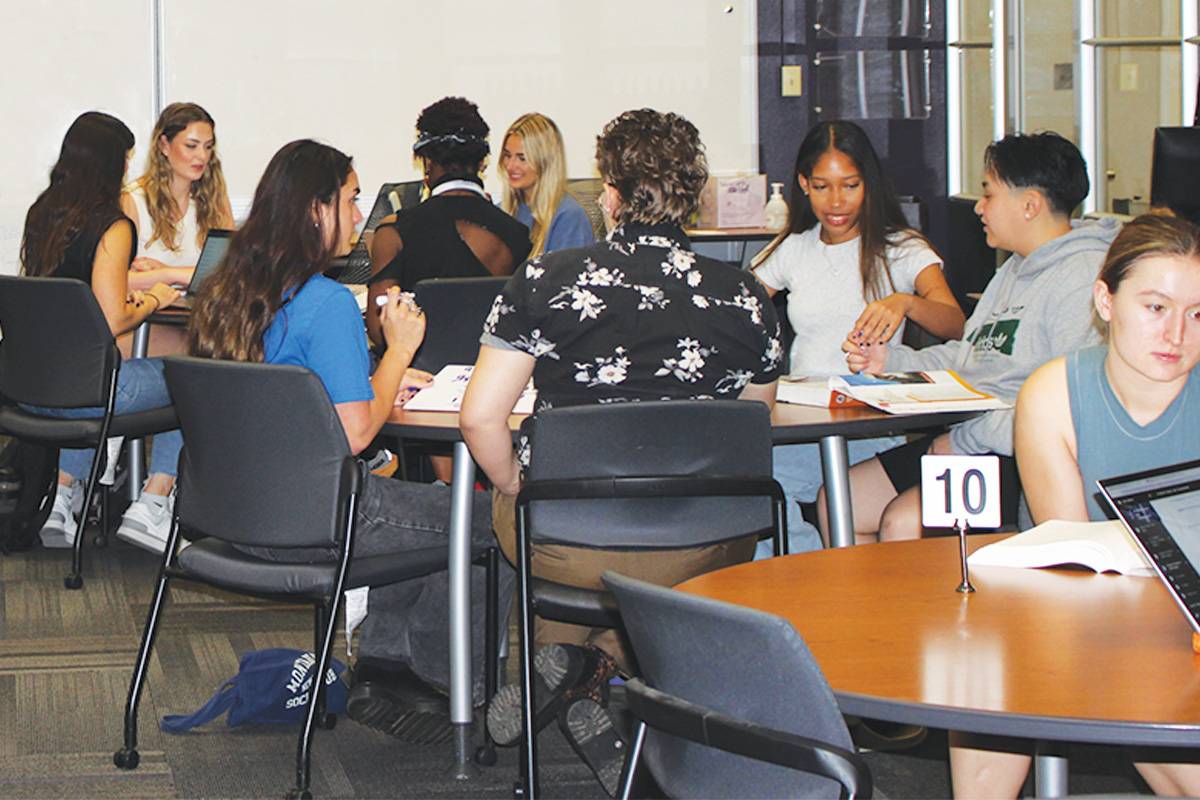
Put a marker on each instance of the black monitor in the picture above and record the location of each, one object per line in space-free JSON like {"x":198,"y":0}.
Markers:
{"x":1176,"y":171}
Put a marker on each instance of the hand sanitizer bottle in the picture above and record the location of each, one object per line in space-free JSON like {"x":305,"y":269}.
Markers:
{"x":776,"y":211}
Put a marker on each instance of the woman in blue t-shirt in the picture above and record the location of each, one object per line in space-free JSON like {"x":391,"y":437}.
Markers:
{"x":534,"y":168}
{"x":269,"y":301}
{"x":1125,"y":406}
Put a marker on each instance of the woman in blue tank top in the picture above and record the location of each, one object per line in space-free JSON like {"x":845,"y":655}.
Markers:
{"x":1125,"y":406}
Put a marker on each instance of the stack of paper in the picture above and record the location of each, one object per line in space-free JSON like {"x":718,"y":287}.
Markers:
{"x":893,"y":392}
{"x":449,"y":386}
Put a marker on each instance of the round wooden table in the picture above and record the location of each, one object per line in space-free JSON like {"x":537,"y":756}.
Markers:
{"x":1053,"y":655}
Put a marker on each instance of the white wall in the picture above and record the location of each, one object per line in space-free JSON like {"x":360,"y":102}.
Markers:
{"x":356,"y":75}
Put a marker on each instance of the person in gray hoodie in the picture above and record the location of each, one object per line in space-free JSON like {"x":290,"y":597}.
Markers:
{"x":1037,"y":306}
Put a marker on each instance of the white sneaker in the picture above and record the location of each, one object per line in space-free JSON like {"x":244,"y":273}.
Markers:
{"x":61,"y":526}
{"x":110,"y":464}
{"x":147,"y":523}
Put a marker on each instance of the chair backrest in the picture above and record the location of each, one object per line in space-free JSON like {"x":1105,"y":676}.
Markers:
{"x":737,"y":661}
{"x":264,"y":453}
{"x":585,"y":191}
{"x":1175,"y":172}
{"x":455,"y":310}
{"x":694,"y":438}
{"x":57,"y":348}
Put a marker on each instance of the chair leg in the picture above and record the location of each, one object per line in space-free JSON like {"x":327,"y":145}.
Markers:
{"x":528,"y":787}
{"x":101,"y":538}
{"x":324,"y":721}
{"x":316,"y":702}
{"x":634,"y":756}
{"x":486,"y":754}
{"x":74,"y":580}
{"x":127,"y":757}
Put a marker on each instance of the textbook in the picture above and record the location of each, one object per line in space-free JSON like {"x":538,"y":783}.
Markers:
{"x":449,"y":386}
{"x":893,"y":392}
{"x":1099,"y":546}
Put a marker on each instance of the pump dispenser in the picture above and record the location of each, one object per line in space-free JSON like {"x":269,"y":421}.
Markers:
{"x":776,"y":211}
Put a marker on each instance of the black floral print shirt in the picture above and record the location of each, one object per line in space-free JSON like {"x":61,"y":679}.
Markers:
{"x":637,"y":317}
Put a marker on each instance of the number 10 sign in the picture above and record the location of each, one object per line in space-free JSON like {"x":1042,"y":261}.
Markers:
{"x":960,"y":491}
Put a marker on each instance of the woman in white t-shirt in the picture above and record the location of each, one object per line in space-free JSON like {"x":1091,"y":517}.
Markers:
{"x":853,"y":268}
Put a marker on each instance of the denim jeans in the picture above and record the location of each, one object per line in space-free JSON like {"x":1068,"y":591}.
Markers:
{"x":797,"y":467}
{"x":140,"y":387}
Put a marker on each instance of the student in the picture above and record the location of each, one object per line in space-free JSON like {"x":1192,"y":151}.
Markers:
{"x":703,"y":329}
{"x":179,"y":198}
{"x":75,"y":229}
{"x":534,"y":168}
{"x":1037,"y":306}
{"x":457,"y":232}
{"x":1125,"y":406}
{"x":268,"y":301}
{"x":854,"y":269}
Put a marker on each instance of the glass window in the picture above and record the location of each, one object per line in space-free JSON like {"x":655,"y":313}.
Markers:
{"x":976,"y":105}
{"x":857,"y":18}
{"x":1050,"y":64}
{"x":1141,"y":18}
{"x":1139,"y":89}
{"x":975,"y":20}
{"x":872,"y":84}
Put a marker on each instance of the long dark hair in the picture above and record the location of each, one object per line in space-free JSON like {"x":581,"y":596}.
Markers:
{"x":84,"y":195}
{"x":278,"y":248}
{"x":880,"y":221}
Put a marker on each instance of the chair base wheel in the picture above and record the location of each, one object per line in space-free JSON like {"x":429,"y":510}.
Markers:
{"x":73,"y":581}
{"x":299,"y":794}
{"x":126,"y":759}
{"x":485,"y":755}
{"x":518,"y":790}
{"x":326,"y":722}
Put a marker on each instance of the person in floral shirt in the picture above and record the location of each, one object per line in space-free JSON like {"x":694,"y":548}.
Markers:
{"x":637,"y":317}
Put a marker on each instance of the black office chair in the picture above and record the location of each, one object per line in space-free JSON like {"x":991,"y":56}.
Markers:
{"x":586,"y":191}
{"x":741,"y":685}
{"x":58,"y":352}
{"x":455,"y":310}
{"x":272,"y":473}
{"x":627,"y":476}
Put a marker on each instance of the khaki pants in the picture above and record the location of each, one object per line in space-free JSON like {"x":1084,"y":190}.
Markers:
{"x":583,"y":567}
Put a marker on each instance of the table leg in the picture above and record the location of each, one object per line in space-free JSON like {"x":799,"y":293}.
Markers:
{"x":461,"y":489}
{"x":1049,"y":771}
{"x":835,"y":470}
{"x":134,"y":448}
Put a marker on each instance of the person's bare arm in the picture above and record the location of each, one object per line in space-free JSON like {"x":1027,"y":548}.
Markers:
{"x":933,"y":307}
{"x":123,"y":310}
{"x":496,"y":384}
{"x":1044,"y":442}
{"x":385,"y":246}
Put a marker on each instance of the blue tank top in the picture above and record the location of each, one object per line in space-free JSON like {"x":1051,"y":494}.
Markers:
{"x":1109,"y":443}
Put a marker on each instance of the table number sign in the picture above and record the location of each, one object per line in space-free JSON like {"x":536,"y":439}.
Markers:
{"x":960,"y":492}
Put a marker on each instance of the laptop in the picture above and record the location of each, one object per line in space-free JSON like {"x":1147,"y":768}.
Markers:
{"x":1161,"y":508}
{"x":211,"y":255}
{"x":355,"y":267}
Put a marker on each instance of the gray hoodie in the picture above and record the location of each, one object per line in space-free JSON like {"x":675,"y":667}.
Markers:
{"x":1034,"y":309}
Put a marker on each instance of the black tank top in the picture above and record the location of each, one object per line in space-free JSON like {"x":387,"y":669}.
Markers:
{"x":433,"y":247}
{"x":80,"y":254}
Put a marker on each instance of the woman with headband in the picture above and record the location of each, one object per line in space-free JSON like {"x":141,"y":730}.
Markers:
{"x":457,"y":232}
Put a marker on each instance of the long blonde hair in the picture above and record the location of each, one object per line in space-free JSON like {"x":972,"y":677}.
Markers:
{"x":544,"y":150}
{"x":208,"y":193}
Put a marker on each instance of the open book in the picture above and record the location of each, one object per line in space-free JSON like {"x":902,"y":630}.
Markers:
{"x":449,"y":386}
{"x":893,"y":392}
{"x":1099,"y":546}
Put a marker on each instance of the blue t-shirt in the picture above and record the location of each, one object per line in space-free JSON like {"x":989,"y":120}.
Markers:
{"x":321,"y":328}
{"x":569,"y":228}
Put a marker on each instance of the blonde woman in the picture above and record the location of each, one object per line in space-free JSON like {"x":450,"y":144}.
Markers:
{"x":179,"y":198}
{"x":534,"y":169}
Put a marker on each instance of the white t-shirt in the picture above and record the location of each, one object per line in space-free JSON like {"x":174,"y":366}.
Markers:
{"x":185,"y":234}
{"x":825,"y":294}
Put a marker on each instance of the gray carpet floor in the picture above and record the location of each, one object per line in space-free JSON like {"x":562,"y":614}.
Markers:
{"x":66,"y":658}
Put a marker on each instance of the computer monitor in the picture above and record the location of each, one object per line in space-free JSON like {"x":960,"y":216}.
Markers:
{"x":1176,"y":171}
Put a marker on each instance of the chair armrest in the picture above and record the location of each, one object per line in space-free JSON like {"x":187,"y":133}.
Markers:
{"x":670,"y":714}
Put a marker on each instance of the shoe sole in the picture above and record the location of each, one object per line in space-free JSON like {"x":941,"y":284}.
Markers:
{"x":504,"y":713}
{"x":142,"y":539}
{"x":374,"y":709}
{"x":591,"y":733}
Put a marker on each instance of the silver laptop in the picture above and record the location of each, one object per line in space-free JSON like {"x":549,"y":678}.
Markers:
{"x":213,"y":252}
{"x":1161,"y":508}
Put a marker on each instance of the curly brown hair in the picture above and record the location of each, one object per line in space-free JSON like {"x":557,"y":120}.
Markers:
{"x":656,"y":162}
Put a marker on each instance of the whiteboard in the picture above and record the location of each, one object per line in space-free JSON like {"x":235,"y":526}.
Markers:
{"x":356,"y":75}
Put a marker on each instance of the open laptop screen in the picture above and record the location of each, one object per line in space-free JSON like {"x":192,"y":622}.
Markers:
{"x":1161,"y":508}
{"x":215,"y":245}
